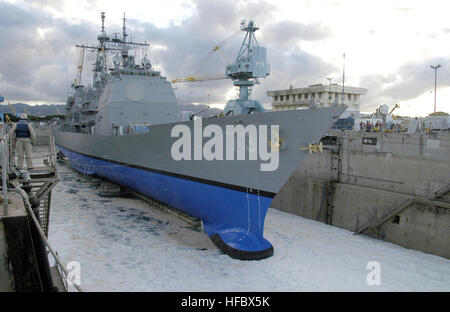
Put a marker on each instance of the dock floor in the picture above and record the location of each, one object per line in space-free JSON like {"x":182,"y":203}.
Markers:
{"x":123,"y":244}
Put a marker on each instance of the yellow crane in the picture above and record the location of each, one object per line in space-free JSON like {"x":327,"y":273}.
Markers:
{"x":13,"y":111}
{"x":80,"y":64}
{"x":205,"y":78}
{"x":393,"y":109}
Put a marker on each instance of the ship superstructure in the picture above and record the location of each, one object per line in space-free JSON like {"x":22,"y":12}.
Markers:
{"x":117,"y":101}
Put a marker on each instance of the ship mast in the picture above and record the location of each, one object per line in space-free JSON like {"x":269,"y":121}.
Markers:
{"x":105,"y":44}
{"x":100,"y":70}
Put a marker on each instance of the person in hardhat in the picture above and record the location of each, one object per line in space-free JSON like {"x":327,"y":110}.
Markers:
{"x":24,"y":136}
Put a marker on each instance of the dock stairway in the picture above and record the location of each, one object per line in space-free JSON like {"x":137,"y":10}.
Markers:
{"x":44,"y":176}
{"x":438,"y":198}
{"x":25,"y":219}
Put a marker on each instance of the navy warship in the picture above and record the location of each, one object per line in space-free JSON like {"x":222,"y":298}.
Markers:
{"x":224,"y":170}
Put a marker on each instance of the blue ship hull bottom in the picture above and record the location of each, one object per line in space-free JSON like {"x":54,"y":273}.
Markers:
{"x":233,"y":216}
{"x":240,"y":254}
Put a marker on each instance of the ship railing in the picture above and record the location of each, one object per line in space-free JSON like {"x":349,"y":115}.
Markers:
{"x":59,"y":264}
{"x":4,"y":151}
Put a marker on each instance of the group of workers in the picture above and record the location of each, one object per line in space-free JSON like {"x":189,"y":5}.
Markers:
{"x":422,"y":128}
{"x":369,"y":126}
{"x":22,"y":137}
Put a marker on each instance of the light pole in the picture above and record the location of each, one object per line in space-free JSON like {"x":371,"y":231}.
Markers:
{"x":436,"y":67}
{"x":329,"y":91}
{"x":343,"y":81}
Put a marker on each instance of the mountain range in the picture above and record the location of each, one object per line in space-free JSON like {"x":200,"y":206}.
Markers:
{"x":35,"y":110}
{"x":56,"y":109}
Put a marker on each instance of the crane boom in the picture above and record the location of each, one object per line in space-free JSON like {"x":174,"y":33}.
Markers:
{"x":216,"y":48}
{"x":392,"y":110}
{"x":204,"y":78}
{"x":13,"y":111}
{"x":199,"y":78}
{"x":80,"y":64}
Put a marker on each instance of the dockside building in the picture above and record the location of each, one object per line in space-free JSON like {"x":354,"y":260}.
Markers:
{"x":323,"y":95}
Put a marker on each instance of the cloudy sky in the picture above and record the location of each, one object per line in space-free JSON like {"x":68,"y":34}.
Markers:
{"x":389,"y":45}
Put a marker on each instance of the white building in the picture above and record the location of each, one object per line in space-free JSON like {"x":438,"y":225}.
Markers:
{"x":324,"y":95}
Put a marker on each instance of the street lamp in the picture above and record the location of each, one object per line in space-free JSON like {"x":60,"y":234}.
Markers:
{"x":329,"y":91}
{"x":436,"y":67}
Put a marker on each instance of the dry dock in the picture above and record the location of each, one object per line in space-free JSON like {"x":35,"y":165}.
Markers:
{"x":125,"y":244}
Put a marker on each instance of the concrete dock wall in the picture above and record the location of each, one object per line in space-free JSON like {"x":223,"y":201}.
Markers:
{"x":5,"y":284}
{"x":365,"y":176}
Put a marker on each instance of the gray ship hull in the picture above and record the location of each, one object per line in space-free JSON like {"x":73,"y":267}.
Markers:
{"x":231,"y":197}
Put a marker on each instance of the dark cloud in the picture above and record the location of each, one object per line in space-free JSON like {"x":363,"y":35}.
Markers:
{"x":13,"y":16}
{"x":33,"y":68}
{"x":410,"y":81}
{"x":288,"y":33}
